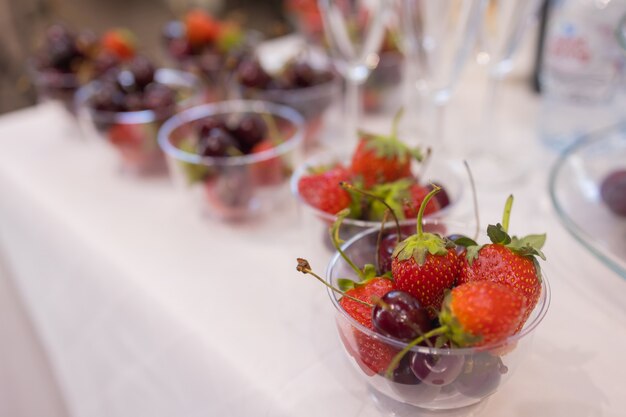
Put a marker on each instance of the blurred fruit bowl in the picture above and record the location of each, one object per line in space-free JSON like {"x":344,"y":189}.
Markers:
{"x":427,"y":378}
{"x":444,"y":173}
{"x":244,"y":181}
{"x":133,"y":134}
{"x":311,"y":102}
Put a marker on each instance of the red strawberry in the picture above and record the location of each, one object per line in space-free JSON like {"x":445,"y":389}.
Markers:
{"x":508,"y":260}
{"x":379,"y":159}
{"x":375,"y":287}
{"x":374,"y":354}
{"x":417,"y":194}
{"x":482,"y":312}
{"x":322,"y":190}
{"x":424,"y":264}
{"x":119,"y":42}
{"x":271,"y":171}
{"x":201,"y":27}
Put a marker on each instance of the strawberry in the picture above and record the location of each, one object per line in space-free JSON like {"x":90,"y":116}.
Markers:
{"x":201,"y":28}
{"x":424,"y":264}
{"x":120,"y":43}
{"x":322,"y":191}
{"x":507,"y":260}
{"x":379,"y":158}
{"x":365,"y":291}
{"x":482,"y":312}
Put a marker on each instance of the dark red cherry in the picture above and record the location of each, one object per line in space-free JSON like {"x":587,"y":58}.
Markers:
{"x":217,"y":143}
{"x":481,"y":375}
{"x":142,"y":70}
{"x":251,"y":74}
{"x":249,"y":131}
{"x":442,"y":196}
{"x":613,"y":192}
{"x":399,"y":315}
{"x":437,"y":370}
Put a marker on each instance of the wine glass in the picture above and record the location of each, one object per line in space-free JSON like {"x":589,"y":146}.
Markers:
{"x":354,"y":30}
{"x":438,"y":38}
{"x":504,"y":25}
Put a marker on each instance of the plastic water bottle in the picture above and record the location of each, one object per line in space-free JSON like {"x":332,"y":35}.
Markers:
{"x":582,"y":74}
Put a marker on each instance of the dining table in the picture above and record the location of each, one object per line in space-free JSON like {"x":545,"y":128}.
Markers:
{"x":144,"y":307}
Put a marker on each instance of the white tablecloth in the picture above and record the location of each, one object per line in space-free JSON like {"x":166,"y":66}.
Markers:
{"x":146,"y":309}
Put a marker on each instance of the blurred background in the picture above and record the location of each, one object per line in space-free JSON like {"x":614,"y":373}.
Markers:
{"x":23,"y":23}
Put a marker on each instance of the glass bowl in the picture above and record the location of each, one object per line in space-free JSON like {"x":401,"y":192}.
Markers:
{"x":443,"y":172}
{"x":481,"y":370}
{"x":133,"y":134}
{"x":574,"y":184}
{"x":312,"y":102}
{"x":234,"y":187}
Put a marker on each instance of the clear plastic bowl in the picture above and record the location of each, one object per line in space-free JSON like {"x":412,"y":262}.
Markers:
{"x":484,"y":369}
{"x":312,"y":102}
{"x":234,"y":187}
{"x":133,"y":134}
{"x":443,"y":172}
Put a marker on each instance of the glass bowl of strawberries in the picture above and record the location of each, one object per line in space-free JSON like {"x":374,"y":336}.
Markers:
{"x":233,"y":158}
{"x":431,"y":319}
{"x":128,"y":104}
{"x":310,"y":89}
{"x":381,"y":166}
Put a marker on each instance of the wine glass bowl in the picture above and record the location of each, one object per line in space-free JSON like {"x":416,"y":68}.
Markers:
{"x":428,"y":378}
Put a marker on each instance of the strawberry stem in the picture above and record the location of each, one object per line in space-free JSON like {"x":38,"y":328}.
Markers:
{"x":420,"y":213}
{"x":350,"y":187}
{"x":305,"y":268}
{"x":396,"y":359}
{"x":334,"y":237}
{"x":507,"y":213}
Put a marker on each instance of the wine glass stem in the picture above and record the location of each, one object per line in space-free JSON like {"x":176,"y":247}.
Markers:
{"x":353,"y":104}
{"x":492,"y":117}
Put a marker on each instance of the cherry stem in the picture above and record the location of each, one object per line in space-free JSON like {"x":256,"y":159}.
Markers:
{"x":420,"y":213}
{"x":305,"y":268}
{"x":350,"y":187}
{"x":474,"y":199}
{"x":334,"y":237}
{"x":396,"y":359}
{"x":507,"y":213}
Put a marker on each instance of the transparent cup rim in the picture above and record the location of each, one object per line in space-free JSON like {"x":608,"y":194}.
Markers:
{"x":186,"y":79}
{"x":544,"y":303}
{"x":230,"y":106}
{"x":343,"y":159}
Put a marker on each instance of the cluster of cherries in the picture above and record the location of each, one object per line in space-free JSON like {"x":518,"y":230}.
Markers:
{"x":82,"y":54}
{"x":132,"y":87}
{"x":295,"y":74}
{"x":221,"y":136}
